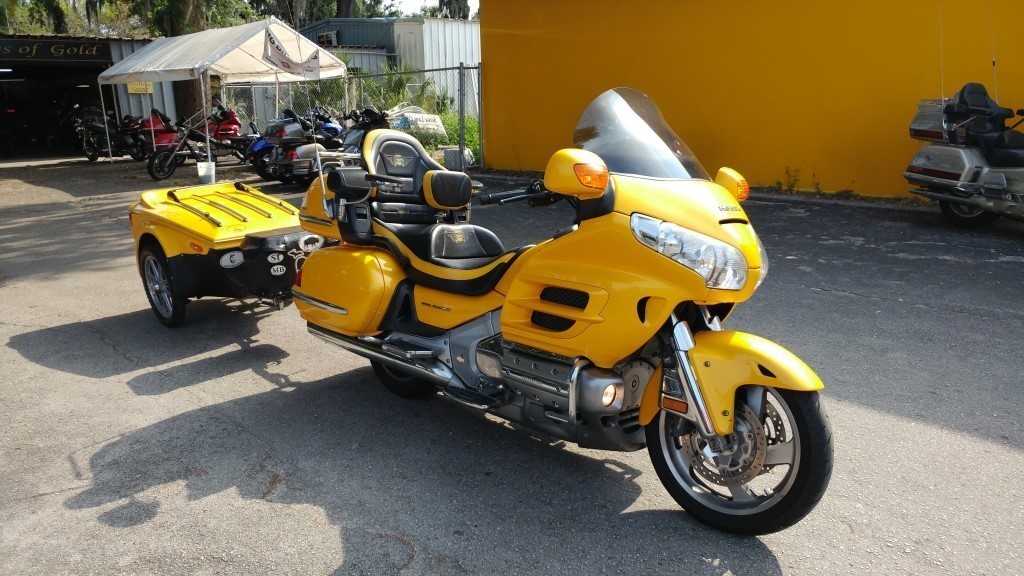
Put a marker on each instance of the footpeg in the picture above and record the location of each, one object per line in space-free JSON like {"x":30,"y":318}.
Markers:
{"x":406,"y":351}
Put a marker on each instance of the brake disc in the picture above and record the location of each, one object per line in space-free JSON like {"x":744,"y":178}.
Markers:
{"x":742,"y":458}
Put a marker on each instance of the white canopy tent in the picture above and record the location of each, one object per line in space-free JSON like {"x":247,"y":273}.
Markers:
{"x":258,"y":52}
{"x":234,"y":54}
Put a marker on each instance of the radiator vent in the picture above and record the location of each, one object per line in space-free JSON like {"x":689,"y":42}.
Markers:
{"x":551,"y":322}
{"x":565,"y":297}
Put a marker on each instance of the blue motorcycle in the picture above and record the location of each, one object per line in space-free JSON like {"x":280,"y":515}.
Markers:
{"x":258,"y":154}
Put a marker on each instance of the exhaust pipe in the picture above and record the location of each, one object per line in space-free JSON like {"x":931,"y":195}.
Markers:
{"x":437,"y":373}
{"x":1006,"y":208}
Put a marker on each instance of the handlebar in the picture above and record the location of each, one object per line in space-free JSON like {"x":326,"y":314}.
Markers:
{"x":535,"y":193}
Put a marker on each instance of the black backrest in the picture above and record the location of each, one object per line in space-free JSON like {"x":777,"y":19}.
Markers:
{"x":974,"y":95}
{"x":398,"y":154}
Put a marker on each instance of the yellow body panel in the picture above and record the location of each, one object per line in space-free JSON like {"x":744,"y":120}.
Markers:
{"x":312,"y":216}
{"x":603,"y":259}
{"x":447,"y":310}
{"x":649,"y":401}
{"x":353,"y":286}
{"x":197,"y":219}
{"x":724,"y":361}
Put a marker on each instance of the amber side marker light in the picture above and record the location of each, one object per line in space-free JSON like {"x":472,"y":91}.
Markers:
{"x":742,"y":190}
{"x":669,"y":403}
{"x":592,"y":175}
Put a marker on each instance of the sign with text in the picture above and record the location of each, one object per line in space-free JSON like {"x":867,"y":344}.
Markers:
{"x":55,"y":50}
{"x":140,"y":87}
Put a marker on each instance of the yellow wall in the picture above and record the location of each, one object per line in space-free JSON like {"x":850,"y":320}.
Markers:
{"x":825,"y":88}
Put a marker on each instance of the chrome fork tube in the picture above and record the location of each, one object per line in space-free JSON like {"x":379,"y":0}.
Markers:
{"x":682,"y":340}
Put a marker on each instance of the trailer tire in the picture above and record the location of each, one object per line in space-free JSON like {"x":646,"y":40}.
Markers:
{"x":168,"y":306}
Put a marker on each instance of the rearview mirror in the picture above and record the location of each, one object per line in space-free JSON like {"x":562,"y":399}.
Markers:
{"x":576,"y":172}
{"x":732,"y":181}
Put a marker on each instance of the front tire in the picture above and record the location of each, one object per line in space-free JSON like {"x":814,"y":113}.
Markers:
{"x":162,"y":165}
{"x":261,"y":163}
{"x":92,"y":152}
{"x":156,"y":278}
{"x":773,"y":472}
{"x":966,"y":216}
{"x":404,"y":385}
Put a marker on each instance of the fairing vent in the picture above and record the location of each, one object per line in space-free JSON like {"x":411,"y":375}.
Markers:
{"x":565,"y":297}
{"x":733,"y":221}
{"x":551,"y":322}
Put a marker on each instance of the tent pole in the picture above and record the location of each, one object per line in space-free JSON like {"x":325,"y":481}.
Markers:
{"x":206,"y":126}
{"x":106,"y":125}
{"x":152,"y":130}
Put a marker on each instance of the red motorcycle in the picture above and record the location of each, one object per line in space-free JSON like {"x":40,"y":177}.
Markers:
{"x":156,"y":131}
{"x":224,"y":129}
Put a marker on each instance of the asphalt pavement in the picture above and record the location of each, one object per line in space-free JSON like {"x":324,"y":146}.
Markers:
{"x":240,"y":444}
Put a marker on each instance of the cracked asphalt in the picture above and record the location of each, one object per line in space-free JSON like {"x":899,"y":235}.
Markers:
{"x":239,"y":444}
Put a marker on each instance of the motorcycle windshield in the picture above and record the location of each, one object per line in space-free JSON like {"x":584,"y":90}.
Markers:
{"x":625,"y":128}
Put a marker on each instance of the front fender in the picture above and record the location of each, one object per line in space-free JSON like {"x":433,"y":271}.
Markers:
{"x":723,"y":361}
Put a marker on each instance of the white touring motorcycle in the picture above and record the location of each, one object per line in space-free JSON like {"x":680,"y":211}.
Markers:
{"x":973,"y":163}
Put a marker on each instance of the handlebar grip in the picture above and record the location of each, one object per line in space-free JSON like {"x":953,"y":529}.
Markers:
{"x":495,"y":197}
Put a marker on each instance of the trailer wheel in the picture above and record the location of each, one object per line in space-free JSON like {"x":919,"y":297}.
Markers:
{"x":156,"y":279}
{"x":966,"y":216}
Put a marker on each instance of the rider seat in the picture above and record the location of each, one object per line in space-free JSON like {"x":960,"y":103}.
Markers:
{"x":1002,"y":147}
{"x":399,"y":155}
{"x":448,"y":255}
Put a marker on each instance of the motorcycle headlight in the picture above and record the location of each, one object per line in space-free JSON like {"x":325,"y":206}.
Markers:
{"x":721,"y":265}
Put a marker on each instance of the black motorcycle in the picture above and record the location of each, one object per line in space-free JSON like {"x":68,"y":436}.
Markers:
{"x":96,"y":129}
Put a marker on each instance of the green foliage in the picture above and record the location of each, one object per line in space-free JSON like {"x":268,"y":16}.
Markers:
{"x":377,"y":9}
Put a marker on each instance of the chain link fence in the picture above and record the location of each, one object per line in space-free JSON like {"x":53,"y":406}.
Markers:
{"x":440,"y":107}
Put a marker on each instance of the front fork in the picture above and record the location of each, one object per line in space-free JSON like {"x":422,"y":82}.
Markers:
{"x":706,"y":376}
{"x":681,"y":393}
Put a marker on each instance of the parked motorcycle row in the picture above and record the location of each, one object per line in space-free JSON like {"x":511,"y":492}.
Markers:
{"x":291,"y":149}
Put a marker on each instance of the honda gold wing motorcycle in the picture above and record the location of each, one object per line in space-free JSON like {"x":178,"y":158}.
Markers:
{"x":973,"y":163}
{"x":608,"y":335}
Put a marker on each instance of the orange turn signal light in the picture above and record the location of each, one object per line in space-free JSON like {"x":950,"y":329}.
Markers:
{"x":195,"y":247}
{"x":742,"y":190}
{"x":592,"y":175}
{"x":674,"y":404}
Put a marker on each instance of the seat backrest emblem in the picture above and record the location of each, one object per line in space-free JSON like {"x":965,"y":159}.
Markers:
{"x":397,"y":160}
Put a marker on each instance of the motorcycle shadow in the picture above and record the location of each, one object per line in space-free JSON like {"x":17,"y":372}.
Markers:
{"x":424,"y":487}
{"x":134,"y":341}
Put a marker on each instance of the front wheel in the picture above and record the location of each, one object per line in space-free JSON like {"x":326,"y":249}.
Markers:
{"x":764,"y":477}
{"x":92,"y":152}
{"x":966,"y":216}
{"x":162,"y":164}
{"x":260,"y":163}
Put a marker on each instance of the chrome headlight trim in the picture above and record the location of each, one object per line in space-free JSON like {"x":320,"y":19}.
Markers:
{"x":721,"y":265}
{"x":764,"y":262}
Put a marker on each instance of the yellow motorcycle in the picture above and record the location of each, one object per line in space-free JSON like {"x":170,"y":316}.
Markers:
{"x":607,"y":335}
